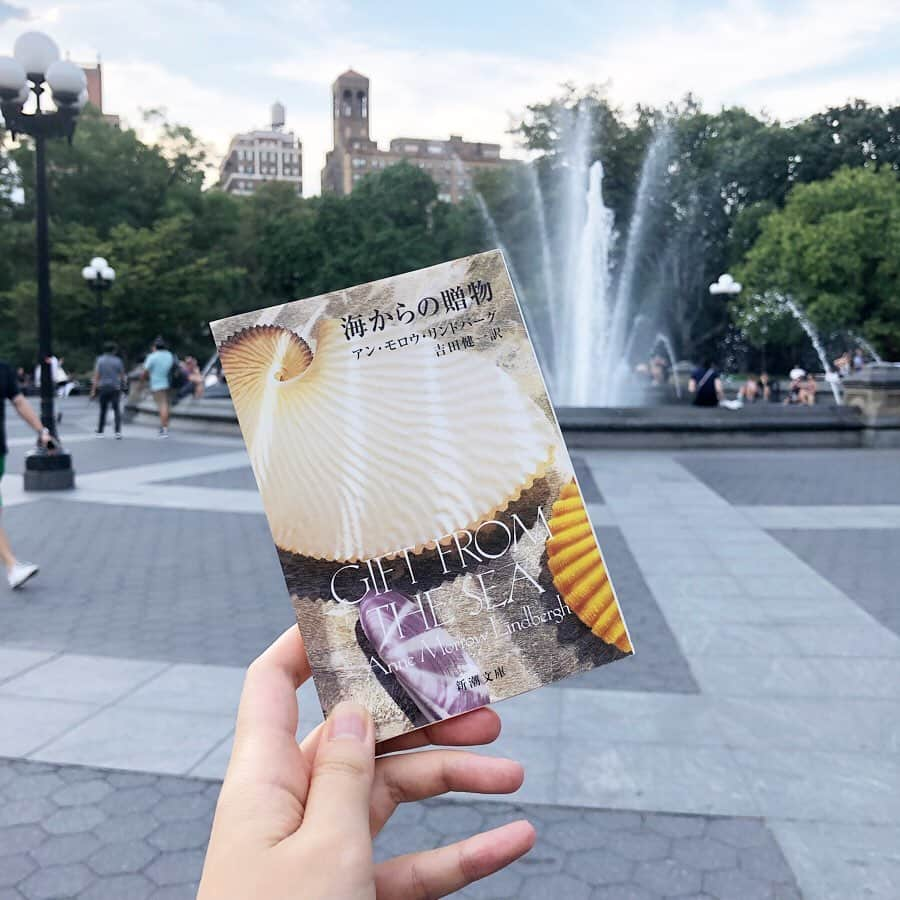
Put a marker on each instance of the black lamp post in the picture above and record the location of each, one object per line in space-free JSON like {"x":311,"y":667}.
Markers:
{"x":36,"y":61}
{"x":99,"y":276}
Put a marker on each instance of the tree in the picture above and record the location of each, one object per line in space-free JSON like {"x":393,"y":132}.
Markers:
{"x":835,"y":248}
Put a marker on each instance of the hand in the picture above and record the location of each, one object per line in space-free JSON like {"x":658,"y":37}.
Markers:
{"x":45,"y":438}
{"x":298,"y":820}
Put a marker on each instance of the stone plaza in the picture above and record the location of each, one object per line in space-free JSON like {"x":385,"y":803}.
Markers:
{"x":748,"y":750}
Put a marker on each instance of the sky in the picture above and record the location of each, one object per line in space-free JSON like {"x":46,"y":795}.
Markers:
{"x":463,"y":67}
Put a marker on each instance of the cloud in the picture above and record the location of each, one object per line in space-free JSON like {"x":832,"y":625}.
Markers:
{"x":745,"y":53}
{"x":217,"y":65}
{"x":8,"y":12}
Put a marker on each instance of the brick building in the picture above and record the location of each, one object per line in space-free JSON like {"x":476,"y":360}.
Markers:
{"x":451,"y":163}
{"x":256,"y":157}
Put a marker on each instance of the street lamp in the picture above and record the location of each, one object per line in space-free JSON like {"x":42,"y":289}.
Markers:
{"x":99,"y":275}
{"x":35,"y":60}
{"x":726,"y":285}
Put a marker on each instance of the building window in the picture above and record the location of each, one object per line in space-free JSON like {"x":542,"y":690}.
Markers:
{"x":347,"y":104}
{"x":411,"y":148}
{"x":363,"y":104}
{"x":435,"y":149}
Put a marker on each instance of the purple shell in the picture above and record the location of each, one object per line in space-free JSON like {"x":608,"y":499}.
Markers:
{"x":430,"y":675}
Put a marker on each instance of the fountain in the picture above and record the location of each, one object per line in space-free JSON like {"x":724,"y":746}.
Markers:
{"x":787,"y":302}
{"x":862,"y":342}
{"x":670,"y":352}
{"x":588,"y":327}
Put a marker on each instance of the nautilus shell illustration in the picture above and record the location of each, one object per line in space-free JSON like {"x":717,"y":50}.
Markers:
{"x":432,"y":667}
{"x":358,"y":457}
{"x":578,"y":571}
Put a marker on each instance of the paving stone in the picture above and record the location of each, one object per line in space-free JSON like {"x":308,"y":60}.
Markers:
{"x":734,"y":883}
{"x":122,"y":858}
{"x":131,"y":800}
{"x":738,"y":832}
{"x":820,"y":477}
{"x":82,"y":793}
{"x":180,"y":809}
{"x":179,"y":787}
{"x":637,"y":845}
{"x":445,"y":819}
{"x":53,"y":882}
{"x":74,"y":820}
{"x":62,"y":849}
{"x":599,"y":866}
{"x":175,"y":892}
{"x":704,"y":853}
{"x":181,"y":867}
{"x":132,"y":827}
{"x":765,"y":862}
{"x":20,"y":838}
{"x":41,"y":784}
{"x":181,"y":835}
{"x":131,"y":779}
{"x":20,"y":812}
{"x":506,"y":883}
{"x":10,"y":894}
{"x":667,"y":877}
{"x":543,"y":886}
{"x":623,"y":892}
{"x":15,"y":869}
{"x":120,"y":887}
{"x":677,"y":826}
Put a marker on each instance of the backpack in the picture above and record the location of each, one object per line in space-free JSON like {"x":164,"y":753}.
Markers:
{"x":176,"y":373}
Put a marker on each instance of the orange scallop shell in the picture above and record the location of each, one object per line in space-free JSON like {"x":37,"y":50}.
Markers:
{"x":578,"y":571}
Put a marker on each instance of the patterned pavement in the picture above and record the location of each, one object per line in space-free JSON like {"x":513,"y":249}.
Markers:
{"x":70,"y":831}
{"x":748,"y":750}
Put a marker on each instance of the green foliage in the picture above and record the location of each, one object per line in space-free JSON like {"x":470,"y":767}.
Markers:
{"x":733,"y":191}
{"x":834,"y":247}
{"x":725,"y":174}
{"x":183,"y":255}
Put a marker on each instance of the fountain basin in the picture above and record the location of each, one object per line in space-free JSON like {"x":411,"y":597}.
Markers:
{"x":870,"y":418}
{"x":764,"y":425}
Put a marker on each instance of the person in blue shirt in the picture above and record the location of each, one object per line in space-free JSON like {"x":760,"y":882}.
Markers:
{"x":158,"y":371}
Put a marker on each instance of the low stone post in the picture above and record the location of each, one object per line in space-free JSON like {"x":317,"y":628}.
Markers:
{"x":875,"y":392}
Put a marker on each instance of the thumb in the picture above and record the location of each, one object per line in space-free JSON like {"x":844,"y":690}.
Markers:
{"x":341,"y":779}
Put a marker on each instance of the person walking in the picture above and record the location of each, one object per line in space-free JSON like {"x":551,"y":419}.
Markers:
{"x":17,"y":571}
{"x":109,"y":374}
{"x":158,"y":370}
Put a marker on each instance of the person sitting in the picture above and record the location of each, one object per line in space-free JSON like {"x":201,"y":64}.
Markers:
{"x":750,"y":390}
{"x":842,"y":364}
{"x":770,"y":389}
{"x":794,"y":392}
{"x":808,"y":392}
{"x":706,"y":385}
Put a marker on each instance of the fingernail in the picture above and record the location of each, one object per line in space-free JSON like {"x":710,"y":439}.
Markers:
{"x":349,"y":721}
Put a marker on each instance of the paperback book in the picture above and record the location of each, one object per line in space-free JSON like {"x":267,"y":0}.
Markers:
{"x":434,"y":541}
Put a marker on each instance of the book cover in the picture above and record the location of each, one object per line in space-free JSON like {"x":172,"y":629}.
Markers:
{"x":434,"y":541}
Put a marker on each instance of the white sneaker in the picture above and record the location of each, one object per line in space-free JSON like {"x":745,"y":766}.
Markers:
{"x":20,"y":573}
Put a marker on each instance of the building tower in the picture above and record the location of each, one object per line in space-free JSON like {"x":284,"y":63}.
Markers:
{"x":350,"y":96}
{"x":452,"y":164}
{"x":350,"y":121}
